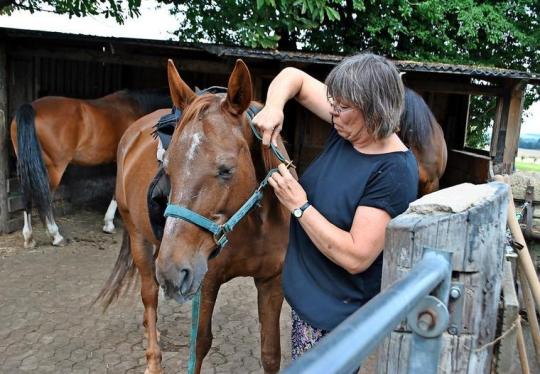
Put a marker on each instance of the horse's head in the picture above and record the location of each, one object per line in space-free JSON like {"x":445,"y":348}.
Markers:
{"x":211,"y":171}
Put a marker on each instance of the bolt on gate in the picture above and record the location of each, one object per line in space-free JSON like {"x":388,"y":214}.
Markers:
{"x":442,"y":273}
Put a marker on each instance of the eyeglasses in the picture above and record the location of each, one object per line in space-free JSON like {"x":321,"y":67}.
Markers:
{"x":338,"y":108}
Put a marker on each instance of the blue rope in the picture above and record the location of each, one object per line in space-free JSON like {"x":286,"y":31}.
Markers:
{"x":195,"y":308}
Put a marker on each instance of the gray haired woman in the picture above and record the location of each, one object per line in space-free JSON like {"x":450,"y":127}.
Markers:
{"x":343,"y":202}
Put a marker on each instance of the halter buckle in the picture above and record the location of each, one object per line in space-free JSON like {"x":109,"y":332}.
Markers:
{"x":220,"y":238}
{"x":289,"y":164}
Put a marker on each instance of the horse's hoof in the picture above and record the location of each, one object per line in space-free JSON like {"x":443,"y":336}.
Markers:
{"x":59,"y":242}
{"x":109,"y":228}
{"x":149,"y":371}
{"x":29,"y":245}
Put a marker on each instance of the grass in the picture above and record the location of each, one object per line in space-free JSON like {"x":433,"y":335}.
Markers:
{"x":525,"y":166}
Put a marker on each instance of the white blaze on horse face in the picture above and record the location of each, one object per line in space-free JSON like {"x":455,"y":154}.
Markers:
{"x":195,"y":141}
{"x":170,"y":225}
{"x":192,"y":140}
{"x":160,"y":151}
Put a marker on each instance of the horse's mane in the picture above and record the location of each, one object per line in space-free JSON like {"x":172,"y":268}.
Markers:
{"x":151,"y":99}
{"x":193,"y":110}
{"x":270,"y":161}
{"x":416,"y":120}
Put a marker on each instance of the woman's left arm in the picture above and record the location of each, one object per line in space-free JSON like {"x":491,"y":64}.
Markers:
{"x":353,"y":250}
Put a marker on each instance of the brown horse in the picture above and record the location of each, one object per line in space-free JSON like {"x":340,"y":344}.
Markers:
{"x":421,"y":132}
{"x":214,"y":163}
{"x":52,"y":132}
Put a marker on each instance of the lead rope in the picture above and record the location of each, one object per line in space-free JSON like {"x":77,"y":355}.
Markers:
{"x":196,"y":303}
{"x":195,"y":310}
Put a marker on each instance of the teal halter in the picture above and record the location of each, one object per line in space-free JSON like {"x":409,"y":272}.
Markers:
{"x":220,"y":231}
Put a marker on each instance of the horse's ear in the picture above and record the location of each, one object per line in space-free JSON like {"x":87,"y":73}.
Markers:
{"x":239,"y":91}
{"x":181,"y":94}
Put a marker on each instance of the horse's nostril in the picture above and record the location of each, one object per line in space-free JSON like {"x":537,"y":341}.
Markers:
{"x":185,"y":281}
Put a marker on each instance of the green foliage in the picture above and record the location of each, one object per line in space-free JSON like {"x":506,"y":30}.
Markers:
{"x":525,"y":166}
{"x":117,"y":9}
{"x":481,"y":120}
{"x":498,"y":33}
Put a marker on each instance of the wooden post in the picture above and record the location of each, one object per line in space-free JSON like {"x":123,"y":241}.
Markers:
{"x":469,"y":221}
{"x":4,"y":143}
{"x":507,"y":348}
{"x":505,"y":138}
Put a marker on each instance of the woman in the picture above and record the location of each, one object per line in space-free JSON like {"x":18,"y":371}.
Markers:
{"x":341,"y":206}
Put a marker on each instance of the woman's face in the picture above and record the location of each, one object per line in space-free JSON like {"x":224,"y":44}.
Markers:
{"x":348,"y":120}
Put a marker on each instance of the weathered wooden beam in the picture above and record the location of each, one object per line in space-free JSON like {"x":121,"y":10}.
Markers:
{"x":505,"y":136}
{"x":469,"y":221}
{"x":517,"y":96}
{"x":4,"y":143}
{"x":463,"y":88}
{"x":507,"y":348}
{"x":211,"y":65}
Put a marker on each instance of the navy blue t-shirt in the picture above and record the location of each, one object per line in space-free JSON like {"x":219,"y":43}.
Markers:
{"x":337,"y":182}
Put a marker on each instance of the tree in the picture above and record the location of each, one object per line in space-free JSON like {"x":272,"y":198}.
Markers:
{"x":497,"y":33}
{"x":118,"y":9}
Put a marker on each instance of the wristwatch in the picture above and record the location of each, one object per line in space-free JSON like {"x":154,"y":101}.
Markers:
{"x":299,"y":211}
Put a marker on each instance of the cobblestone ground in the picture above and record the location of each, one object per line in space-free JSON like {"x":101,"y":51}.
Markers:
{"x":49,"y":326}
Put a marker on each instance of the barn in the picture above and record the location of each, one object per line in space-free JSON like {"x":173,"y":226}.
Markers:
{"x":35,"y":64}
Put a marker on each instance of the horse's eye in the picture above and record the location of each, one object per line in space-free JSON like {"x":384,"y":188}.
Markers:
{"x":225,"y":172}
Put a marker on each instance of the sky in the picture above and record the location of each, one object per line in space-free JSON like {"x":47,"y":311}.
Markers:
{"x":155,"y":22}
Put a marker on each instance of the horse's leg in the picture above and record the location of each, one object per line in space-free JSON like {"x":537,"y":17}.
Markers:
{"x":144,"y":260}
{"x":210,"y":291}
{"x":29,"y":241}
{"x":270,"y":300}
{"x":55,"y":175}
{"x":108,"y":221}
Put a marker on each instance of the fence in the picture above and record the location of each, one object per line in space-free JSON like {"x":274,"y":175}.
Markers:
{"x":450,"y":331}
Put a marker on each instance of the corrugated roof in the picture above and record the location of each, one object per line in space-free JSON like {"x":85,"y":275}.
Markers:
{"x":413,"y":66}
{"x":282,"y":56}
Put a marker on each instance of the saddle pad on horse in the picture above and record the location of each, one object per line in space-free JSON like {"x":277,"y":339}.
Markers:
{"x":158,"y":192}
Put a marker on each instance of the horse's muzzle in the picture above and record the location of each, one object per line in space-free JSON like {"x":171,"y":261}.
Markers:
{"x":181,"y":282}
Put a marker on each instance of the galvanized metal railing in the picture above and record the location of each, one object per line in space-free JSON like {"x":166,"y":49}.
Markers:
{"x":344,"y":349}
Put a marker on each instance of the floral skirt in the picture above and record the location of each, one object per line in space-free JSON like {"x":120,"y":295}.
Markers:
{"x":303,"y":335}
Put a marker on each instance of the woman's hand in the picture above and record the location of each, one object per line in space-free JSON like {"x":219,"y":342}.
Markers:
{"x":270,"y":122}
{"x":287,"y":189}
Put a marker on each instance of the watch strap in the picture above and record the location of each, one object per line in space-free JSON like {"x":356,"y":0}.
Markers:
{"x":305,"y":206}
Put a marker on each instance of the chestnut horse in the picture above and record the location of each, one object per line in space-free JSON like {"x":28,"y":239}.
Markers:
{"x":214,"y":163}
{"x":52,"y":132}
{"x":421,"y":132}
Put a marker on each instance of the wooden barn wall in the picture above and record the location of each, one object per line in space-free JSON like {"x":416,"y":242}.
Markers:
{"x":32,"y":77}
{"x":71,"y":72}
{"x":4,"y":143}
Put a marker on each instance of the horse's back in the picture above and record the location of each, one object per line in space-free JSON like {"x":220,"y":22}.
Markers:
{"x":136,"y":167}
{"x":52,"y":113}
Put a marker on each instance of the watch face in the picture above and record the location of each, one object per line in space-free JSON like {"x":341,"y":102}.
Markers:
{"x":297,"y":213}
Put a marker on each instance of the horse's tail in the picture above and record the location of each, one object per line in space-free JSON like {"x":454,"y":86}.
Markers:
{"x":121,"y":278}
{"x":416,"y":121}
{"x":31,"y":168}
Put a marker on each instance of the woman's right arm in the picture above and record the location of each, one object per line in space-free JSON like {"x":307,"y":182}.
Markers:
{"x":289,"y":83}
